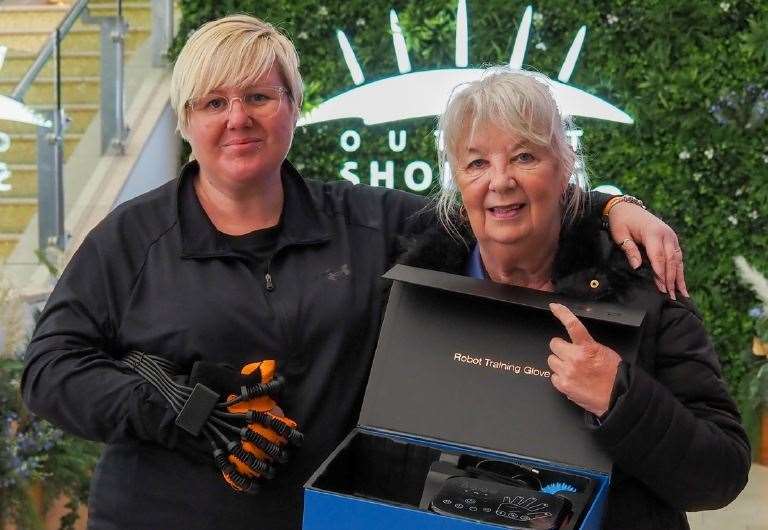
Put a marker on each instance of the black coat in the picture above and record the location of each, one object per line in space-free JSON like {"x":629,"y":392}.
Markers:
{"x":674,"y":432}
{"x":156,"y":276}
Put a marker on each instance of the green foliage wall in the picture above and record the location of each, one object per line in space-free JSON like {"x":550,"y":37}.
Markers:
{"x":697,"y":153}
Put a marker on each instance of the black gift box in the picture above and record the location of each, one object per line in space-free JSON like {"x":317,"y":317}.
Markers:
{"x":460,"y":372}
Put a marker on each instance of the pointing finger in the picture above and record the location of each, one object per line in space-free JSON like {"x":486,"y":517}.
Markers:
{"x":576,"y":330}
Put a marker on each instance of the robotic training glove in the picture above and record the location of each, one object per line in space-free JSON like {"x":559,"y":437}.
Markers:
{"x":247,"y":432}
{"x":265,"y":433}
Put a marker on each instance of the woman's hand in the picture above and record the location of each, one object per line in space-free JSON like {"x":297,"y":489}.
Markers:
{"x":583,"y":370}
{"x":629,"y":225}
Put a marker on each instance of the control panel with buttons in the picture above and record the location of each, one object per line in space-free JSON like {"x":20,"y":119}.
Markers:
{"x":502,"y":504}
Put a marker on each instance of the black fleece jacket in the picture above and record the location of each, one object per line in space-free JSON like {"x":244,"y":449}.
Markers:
{"x":674,"y":432}
{"x":156,"y":276}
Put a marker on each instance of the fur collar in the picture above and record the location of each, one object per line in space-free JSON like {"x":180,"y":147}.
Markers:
{"x":587,"y":265}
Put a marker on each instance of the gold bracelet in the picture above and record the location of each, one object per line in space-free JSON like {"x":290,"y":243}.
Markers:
{"x":613,"y":201}
{"x":610,"y":204}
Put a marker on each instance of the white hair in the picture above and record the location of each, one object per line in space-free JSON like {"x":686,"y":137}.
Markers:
{"x":515,"y":101}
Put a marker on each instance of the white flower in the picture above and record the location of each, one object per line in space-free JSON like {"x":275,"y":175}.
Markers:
{"x":753,"y":214}
{"x":541,"y":46}
{"x":303,"y":35}
{"x":709,"y":153}
{"x":765,"y":159}
{"x":738,"y":192}
{"x":750,"y":276}
{"x":684,"y":155}
{"x":611,"y":19}
{"x":732,"y":219}
{"x":725,"y":6}
{"x":697,"y":176}
{"x":360,"y":22}
{"x":323,"y":11}
{"x":538,"y":19}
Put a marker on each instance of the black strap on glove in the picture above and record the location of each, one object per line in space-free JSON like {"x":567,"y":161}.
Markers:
{"x":248,"y":411}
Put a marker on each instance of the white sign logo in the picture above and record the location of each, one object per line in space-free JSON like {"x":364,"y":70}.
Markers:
{"x":424,"y":94}
{"x":12,"y":110}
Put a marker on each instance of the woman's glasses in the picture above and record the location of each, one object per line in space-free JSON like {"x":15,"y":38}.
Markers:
{"x":257,"y":101}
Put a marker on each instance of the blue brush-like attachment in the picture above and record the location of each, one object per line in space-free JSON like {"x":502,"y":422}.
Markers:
{"x":558,"y":487}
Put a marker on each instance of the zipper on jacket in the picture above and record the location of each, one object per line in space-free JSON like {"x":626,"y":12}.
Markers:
{"x":268,"y":283}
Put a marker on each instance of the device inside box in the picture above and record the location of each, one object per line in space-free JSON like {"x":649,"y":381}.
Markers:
{"x":503,"y":491}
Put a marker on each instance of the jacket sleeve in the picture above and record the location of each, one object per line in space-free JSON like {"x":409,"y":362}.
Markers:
{"x":678,"y":431}
{"x":408,"y":214}
{"x":71,"y":375}
{"x":596,"y":203}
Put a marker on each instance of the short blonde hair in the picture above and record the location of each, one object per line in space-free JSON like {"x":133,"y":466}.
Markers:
{"x":231,"y":51}
{"x":515,"y":101}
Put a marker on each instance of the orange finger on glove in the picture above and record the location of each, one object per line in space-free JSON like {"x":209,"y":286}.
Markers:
{"x":266,"y":433}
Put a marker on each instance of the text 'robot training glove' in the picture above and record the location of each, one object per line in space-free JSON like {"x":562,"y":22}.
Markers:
{"x":247,"y":431}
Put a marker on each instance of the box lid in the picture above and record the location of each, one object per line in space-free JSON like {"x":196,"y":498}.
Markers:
{"x":464,"y":361}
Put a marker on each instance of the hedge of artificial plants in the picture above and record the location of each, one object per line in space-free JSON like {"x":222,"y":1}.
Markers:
{"x":692,"y":75}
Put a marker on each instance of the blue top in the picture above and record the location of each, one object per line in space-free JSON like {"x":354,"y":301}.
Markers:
{"x":475,"y":267}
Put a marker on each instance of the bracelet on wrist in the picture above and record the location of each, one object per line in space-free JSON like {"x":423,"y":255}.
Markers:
{"x":613,"y":201}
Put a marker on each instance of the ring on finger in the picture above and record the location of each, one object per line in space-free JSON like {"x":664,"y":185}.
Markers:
{"x":625,"y":241}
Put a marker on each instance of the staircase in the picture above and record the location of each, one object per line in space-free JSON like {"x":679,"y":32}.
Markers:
{"x":24,"y":30}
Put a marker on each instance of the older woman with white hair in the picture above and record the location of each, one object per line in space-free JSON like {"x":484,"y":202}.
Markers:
{"x":666,"y":419}
{"x":239,"y":260}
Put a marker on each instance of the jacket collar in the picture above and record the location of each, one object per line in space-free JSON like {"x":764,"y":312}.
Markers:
{"x":302,"y":222}
{"x":584,"y":264}
{"x":587,"y":265}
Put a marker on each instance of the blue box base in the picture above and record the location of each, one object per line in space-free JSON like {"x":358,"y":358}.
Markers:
{"x":334,"y":498}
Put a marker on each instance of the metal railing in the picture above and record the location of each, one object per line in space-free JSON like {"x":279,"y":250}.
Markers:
{"x":114,"y":131}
